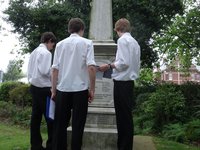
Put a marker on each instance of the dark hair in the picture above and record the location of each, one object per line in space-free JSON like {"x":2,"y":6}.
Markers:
{"x":48,"y":36}
{"x":75,"y":25}
{"x":123,"y":25}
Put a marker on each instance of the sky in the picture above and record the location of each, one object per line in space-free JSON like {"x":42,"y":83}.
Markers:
{"x":8,"y":41}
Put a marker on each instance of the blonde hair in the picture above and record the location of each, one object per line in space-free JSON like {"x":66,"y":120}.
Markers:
{"x":123,"y":25}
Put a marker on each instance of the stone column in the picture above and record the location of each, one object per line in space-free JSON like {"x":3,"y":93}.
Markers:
{"x":100,"y":131}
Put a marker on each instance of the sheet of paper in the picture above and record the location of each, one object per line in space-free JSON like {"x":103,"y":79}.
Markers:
{"x":52,"y":109}
{"x":99,"y":74}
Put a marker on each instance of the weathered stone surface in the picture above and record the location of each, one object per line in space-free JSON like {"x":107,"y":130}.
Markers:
{"x":106,"y":139}
{"x":101,"y":28}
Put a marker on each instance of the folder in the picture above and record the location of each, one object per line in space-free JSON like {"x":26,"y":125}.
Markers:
{"x":50,"y":110}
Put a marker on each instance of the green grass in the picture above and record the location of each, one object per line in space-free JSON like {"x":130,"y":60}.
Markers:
{"x":163,"y":144}
{"x":15,"y":138}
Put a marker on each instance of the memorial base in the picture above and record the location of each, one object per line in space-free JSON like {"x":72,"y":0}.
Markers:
{"x":96,"y":139}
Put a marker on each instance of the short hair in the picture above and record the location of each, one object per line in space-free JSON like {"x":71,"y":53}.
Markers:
{"x":48,"y":36}
{"x":123,"y":25}
{"x":75,"y":25}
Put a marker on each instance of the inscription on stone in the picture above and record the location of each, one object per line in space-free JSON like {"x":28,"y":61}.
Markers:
{"x":101,"y":119}
{"x":103,"y":90}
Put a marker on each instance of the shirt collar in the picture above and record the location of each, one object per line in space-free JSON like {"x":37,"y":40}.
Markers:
{"x":74,"y":35}
{"x":42,"y":45}
{"x":126,"y":34}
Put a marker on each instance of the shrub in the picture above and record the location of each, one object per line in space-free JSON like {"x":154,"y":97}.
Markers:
{"x":193,"y":130}
{"x":175,"y":132}
{"x":5,"y":88}
{"x":165,"y":103}
{"x":21,"y":95}
{"x":191,"y":92}
{"x":4,"y":109}
{"x":142,"y":98}
{"x":183,"y":133}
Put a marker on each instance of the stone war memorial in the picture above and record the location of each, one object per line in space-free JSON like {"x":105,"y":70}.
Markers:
{"x":100,"y":131}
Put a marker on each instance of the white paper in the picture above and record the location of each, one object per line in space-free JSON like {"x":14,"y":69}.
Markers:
{"x":99,"y":74}
{"x":52,"y":109}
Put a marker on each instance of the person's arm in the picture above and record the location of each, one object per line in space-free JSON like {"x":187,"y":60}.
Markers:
{"x":123,"y":55}
{"x":92,"y":75}
{"x":105,"y":67}
{"x":45,"y":64}
{"x":54,"y":78}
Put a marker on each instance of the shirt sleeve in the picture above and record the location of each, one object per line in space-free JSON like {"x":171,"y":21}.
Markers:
{"x":90,"y":55}
{"x":123,"y":55}
{"x":45,"y":64}
{"x":55,"y":59}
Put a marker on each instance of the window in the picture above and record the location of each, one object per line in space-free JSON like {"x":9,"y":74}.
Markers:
{"x":192,"y":76}
{"x":197,"y":77}
{"x":170,"y":76}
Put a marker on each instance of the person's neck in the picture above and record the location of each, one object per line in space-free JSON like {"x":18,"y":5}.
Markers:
{"x":80,"y":33}
{"x":46,"y":45}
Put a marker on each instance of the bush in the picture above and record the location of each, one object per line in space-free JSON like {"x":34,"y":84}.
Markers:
{"x":165,"y":104}
{"x":6,"y":87}
{"x":175,"y":132}
{"x":183,"y":133}
{"x":4,"y":109}
{"x":21,"y":95}
{"x":16,"y":114}
{"x":191,"y":92}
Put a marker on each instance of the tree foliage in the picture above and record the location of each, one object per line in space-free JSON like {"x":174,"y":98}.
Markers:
{"x":13,"y":71}
{"x":181,"y":39}
{"x":146,"y":77}
{"x":146,"y":17}
{"x":30,"y":19}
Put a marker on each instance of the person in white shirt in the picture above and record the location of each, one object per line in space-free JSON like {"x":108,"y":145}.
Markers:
{"x":125,"y":70}
{"x":39,"y":75}
{"x":73,"y":73}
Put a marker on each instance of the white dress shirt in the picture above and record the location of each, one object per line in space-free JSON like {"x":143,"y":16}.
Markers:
{"x":127,"y":60}
{"x":72,"y":57}
{"x":39,"y":73}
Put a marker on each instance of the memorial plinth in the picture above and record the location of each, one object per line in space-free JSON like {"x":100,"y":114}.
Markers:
{"x":100,"y":131}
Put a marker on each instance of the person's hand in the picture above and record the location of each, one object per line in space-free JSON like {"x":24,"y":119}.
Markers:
{"x":103,"y":67}
{"x":90,"y":96}
{"x":53,"y":95}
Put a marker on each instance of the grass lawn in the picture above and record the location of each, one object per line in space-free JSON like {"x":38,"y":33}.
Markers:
{"x":15,"y":138}
{"x":163,"y":144}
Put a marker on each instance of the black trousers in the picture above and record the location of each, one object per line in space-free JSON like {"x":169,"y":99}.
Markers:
{"x":65,"y":102}
{"x":39,"y":100}
{"x":123,"y":94}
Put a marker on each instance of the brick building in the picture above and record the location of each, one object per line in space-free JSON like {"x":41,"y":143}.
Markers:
{"x":175,"y":77}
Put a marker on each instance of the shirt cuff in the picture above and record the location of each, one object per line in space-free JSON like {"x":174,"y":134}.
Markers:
{"x":91,"y":63}
{"x":55,"y":67}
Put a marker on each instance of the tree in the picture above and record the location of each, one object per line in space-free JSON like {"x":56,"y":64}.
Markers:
{"x":181,"y":39}
{"x":146,"y":17}
{"x":13,"y":72}
{"x":30,"y":19}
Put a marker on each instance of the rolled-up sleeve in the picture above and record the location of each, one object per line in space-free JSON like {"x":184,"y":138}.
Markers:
{"x":45,"y":64}
{"x":90,"y":55}
{"x":123,"y":56}
{"x":55,"y":60}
